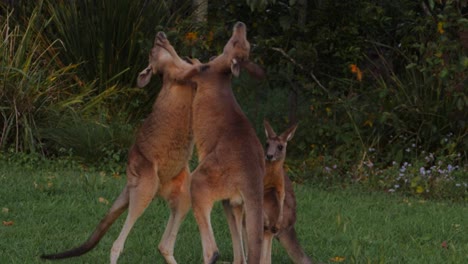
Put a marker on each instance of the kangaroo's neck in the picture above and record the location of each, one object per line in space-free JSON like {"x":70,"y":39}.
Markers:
{"x":274,"y":166}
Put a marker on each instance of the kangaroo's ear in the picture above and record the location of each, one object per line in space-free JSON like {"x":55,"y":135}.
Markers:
{"x":288,"y":134}
{"x":269,"y":132}
{"x":254,"y":70}
{"x":235,"y":67}
{"x":144,"y":77}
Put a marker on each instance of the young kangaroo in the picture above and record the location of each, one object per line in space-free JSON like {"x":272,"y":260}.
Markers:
{"x":231,"y":165}
{"x":279,"y":203}
{"x":275,"y":153}
{"x":158,"y":160}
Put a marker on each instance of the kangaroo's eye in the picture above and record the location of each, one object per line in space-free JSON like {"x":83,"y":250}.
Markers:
{"x":280,"y":147}
{"x":267,"y":145}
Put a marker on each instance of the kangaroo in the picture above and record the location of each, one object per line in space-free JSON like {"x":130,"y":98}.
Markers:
{"x":275,"y":153}
{"x":158,"y":160}
{"x":279,"y":203}
{"x":231,"y":167}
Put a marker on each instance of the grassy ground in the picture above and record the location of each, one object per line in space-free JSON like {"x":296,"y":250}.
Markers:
{"x":49,"y":208}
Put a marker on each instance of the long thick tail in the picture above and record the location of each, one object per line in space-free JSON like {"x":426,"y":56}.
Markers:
{"x":289,"y":241}
{"x":119,"y":206}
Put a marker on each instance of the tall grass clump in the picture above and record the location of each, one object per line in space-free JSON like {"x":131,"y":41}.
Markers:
{"x":68,"y":71}
{"x":34,"y":82}
{"x":111,"y":38}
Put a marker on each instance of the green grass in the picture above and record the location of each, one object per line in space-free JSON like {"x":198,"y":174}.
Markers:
{"x":55,"y":206}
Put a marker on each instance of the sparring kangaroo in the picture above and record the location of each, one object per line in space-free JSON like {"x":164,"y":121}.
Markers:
{"x":231,"y":165}
{"x":158,"y":160}
{"x":279,"y":203}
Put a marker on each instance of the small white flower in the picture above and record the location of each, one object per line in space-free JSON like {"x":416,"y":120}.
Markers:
{"x":450,"y":168}
{"x":422,"y":171}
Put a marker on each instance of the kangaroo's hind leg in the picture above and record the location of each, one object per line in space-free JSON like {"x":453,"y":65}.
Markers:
{"x":177,"y":193}
{"x":253,"y":204}
{"x":142,"y":185}
{"x":202,"y":204}
{"x":234,"y":216}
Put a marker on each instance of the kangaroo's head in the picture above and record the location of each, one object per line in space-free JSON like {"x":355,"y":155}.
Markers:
{"x":275,"y":147}
{"x":236,"y":53}
{"x":164,"y":60}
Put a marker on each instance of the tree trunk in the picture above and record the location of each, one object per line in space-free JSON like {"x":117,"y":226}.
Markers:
{"x":302,"y":16}
{"x":293,"y":92}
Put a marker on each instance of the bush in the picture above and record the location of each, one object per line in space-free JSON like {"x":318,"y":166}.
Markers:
{"x":34,"y":82}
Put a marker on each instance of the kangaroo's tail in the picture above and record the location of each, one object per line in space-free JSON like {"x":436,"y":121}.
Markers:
{"x":119,"y":206}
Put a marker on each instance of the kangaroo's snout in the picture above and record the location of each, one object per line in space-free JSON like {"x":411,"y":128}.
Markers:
{"x":269,"y":157}
{"x":161,"y":35}
{"x":239,"y":24}
{"x":240,"y":30}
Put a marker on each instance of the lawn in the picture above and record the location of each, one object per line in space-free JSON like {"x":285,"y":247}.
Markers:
{"x":49,"y":207}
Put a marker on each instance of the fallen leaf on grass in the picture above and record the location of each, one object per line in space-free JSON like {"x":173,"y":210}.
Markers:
{"x":419,"y":189}
{"x":337,"y":259}
{"x":103,"y":200}
{"x":444,"y":244}
{"x":8,"y":223}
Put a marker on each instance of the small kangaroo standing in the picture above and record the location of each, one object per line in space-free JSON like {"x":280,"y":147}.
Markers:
{"x":158,"y":160}
{"x":279,"y":202}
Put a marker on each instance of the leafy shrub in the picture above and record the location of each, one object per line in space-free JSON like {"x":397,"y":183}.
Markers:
{"x":33,"y":81}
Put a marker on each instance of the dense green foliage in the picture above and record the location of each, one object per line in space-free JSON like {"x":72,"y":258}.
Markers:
{"x":374,"y":85}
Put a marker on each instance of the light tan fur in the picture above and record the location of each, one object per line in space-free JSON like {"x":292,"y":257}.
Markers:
{"x":279,"y":201}
{"x":158,"y":160}
{"x":231,"y":164}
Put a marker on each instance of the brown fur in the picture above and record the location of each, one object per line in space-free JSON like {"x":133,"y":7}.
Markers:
{"x":158,"y":160}
{"x":279,"y":202}
{"x":231,"y":165}
{"x":285,"y":233}
{"x":275,"y":154}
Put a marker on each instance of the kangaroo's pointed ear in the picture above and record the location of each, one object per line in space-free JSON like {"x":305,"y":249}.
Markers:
{"x":269,"y":132}
{"x":144,"y":77}
{"x":288,"y":134}
{"x":254,"y":70}
{"x":235,"y":67}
